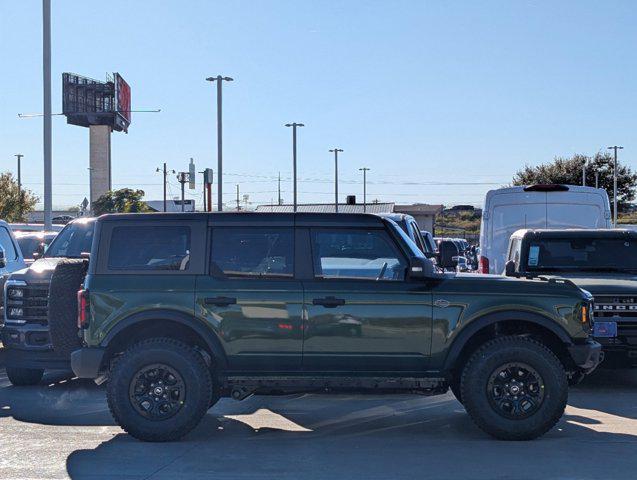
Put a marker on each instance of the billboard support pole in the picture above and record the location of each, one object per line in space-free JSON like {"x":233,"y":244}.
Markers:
{"x":47,"y":133}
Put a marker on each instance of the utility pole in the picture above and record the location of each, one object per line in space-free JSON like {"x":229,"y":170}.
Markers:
{"x":165,"y":172}
{"x":219,"y":79}
{"x":294,"y":126}
{"x":238,"y":201}
{"x":364,"y":170}
{"x":336,"y":150}
{"x":615,"y":148}
{"x":280,"y":201}
{"x":19,"y":157}
{"x":183,"y":179}
{"x":47,"y":130}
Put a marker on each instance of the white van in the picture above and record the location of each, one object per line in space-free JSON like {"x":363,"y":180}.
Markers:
{"x":536,"y":206}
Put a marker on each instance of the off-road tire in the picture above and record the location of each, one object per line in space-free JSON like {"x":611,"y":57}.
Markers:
{"x":187,"y":362}
{"x":491,"y":356}
{"x":66,"y":280}
{"x":22,"y":377}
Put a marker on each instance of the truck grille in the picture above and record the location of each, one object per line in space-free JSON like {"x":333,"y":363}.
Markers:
{"x":34,"y":304}
{"x":621,"y":309}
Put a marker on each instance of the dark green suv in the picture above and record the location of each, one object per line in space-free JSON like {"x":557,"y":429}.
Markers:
{"x":179,"y":310}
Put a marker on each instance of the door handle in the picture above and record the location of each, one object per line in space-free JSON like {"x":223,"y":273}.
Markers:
{"x":220,"y":301}
{"x":328,"y":302}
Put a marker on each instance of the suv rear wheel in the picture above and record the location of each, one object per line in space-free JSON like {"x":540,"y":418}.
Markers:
{"x":21,"y":377}
{"x":159,"y":390}
{"x":514,"y":388}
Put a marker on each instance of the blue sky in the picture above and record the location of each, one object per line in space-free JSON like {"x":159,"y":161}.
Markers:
{"x":442,"y":100}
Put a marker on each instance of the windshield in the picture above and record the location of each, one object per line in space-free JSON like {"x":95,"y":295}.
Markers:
{"x":583,"y":254}
{"x":72,"y":241}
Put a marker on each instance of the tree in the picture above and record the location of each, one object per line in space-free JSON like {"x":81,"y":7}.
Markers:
{"x":124,"y":200}
{"x":14,"y":205}
{"x":569,"y":171}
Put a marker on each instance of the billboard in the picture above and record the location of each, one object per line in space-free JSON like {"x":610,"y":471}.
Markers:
{"x":87,"y":102}
{"x":122,"y":102}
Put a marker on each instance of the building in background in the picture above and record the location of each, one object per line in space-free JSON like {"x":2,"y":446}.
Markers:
{"x":424,"y":214}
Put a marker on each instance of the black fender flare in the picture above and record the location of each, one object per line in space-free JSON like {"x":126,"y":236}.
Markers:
{"x":211,"y":339}
{"x":491,"y":318}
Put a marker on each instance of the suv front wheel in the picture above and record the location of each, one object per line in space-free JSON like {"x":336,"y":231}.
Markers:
{"x":159,"y":389}
{"x":514,"y":388}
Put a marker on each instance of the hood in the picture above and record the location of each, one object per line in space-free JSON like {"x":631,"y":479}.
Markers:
{"x":500,"y":284}
{"x":607,"y":283}
{"x":39,"y":271}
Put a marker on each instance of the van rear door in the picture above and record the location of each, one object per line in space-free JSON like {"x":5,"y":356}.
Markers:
{"x":575,"y":210}
{"x":508,"y":218}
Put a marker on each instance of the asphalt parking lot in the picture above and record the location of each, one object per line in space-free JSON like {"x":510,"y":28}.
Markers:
{"x":62,"y":428}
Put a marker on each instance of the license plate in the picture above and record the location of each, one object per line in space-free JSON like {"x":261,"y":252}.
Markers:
{"x":605,"y":329}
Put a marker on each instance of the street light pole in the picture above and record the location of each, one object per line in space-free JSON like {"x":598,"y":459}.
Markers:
{"x":364,"y":170}
{"x":219,"y":79}
{"x":615,"y":148}
{"x":47,"y":131}
{"x":19,"y":157}
{"x":336,"y":150}
{"x":294,"y":126}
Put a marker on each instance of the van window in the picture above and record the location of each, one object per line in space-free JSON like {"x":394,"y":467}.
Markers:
{"x":6,"y":242}
{"x":149,"y":248}
{"x":253,"y":252}
{"x":359,"y":254}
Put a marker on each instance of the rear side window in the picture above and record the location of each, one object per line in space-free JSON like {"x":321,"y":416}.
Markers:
{"x":357,"y":254}
{"x":6,"y":242}
{"x":253,"y":252}
{"x":149,"y":248}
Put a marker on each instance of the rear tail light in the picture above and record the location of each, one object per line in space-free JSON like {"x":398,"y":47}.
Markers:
{"x":82,"y":309}
{"x":483,"y":267}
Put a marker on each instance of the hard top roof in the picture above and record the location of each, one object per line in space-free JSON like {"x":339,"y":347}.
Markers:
{"x":238,"y":218}
{"x":574,"y":233}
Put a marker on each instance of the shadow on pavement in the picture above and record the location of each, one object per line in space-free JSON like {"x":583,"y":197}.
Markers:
{"x":346,"y":436}
{"x":349,"y":436}
{"x":59,"y":399}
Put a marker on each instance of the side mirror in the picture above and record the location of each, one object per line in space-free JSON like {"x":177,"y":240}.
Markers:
{"x":40,"y":250}
{"x":420,"y":268}
{"x":447,"y":250}
{"x":509,"y":268}
{"x":3,"y":258}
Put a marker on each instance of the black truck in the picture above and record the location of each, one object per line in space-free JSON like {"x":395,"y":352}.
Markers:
{"x":603,"y":262}
{"x":26,"y":333}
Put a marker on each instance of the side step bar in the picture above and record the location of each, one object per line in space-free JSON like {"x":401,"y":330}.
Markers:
{"x":243,"y":386}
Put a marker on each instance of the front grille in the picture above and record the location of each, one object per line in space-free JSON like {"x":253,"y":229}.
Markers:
{"x":621,"y":309}
{"x":616,"y":307}
{"x":34,"y":304}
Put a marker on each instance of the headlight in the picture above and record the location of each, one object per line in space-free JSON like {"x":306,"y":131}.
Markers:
{"x":14,"y":292}
{"x":15,"y":312}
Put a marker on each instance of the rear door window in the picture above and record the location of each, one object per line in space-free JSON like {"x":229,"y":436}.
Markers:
{"x":356,"y":254}
{"x":152,"y":248}
{"x":257,"y":252}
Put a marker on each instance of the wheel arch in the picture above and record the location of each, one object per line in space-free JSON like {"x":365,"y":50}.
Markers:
{"x":507,"y":322}
{"x":164,"y":323}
